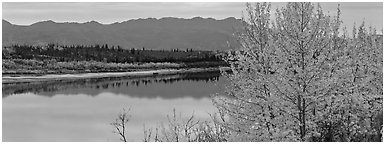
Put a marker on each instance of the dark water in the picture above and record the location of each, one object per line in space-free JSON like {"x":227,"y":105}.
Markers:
{"x":82,"y":110}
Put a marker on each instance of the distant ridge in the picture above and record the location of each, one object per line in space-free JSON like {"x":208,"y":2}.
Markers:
{"x":151,"y":33}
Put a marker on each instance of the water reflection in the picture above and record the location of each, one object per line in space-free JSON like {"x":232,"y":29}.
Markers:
{"x":81,"y":110}
{"x":145,"y":87}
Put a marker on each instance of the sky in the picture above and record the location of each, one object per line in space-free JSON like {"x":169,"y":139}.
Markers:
{"x":22,"y":13}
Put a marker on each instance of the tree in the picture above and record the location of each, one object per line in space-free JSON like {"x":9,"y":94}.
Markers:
{"x":293,"y":75}
{"x":357,"y":113}
{"x":188,"y":129}
{"x":251,"y":105}
{"x":121,"y":123}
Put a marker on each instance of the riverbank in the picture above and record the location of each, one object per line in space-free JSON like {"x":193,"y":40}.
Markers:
{"x":50,"y":77}
{"x":33,"y":67}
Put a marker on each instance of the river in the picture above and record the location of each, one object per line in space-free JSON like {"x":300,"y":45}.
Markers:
{"x":82,"y":110}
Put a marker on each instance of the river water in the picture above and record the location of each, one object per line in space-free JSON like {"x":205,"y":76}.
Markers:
{"x":82,"y":110}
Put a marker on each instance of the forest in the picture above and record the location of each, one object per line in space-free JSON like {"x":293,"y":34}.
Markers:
{"x":54,"y":58}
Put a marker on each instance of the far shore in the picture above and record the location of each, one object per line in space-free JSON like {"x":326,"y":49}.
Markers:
{"x":50,"y":77}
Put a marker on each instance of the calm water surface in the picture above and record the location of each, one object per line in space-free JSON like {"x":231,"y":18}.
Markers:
{"x":82,"y":110}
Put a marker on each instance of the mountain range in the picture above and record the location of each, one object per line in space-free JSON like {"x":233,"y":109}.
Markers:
{"x":164,"y":33}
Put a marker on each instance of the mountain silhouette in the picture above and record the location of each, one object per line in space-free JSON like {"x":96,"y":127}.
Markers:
{"x":164,"y":33}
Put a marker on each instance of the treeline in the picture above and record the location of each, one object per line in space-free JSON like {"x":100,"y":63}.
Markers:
{"x":107,"y":54}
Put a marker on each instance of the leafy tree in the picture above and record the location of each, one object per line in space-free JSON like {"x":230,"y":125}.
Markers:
{"x":357,"y":113}
{"x":294,"y":76}
{"x":249,"y":102}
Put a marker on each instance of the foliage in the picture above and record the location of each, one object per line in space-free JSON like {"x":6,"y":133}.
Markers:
{"x":105,"y":54}
{"x":33,"y":66}
{"x":299,"y":79}
{"x":27,"y":59}
{"x":356,"y":115}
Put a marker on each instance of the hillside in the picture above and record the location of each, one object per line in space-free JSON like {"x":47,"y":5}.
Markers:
{"x":165,"y":33}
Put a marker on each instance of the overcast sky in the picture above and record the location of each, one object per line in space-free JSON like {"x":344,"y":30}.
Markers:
{"x":22,"y":13}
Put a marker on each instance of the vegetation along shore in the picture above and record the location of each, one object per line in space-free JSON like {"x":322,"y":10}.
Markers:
{"x":50,"y":77}
{"x":29,"y":60}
